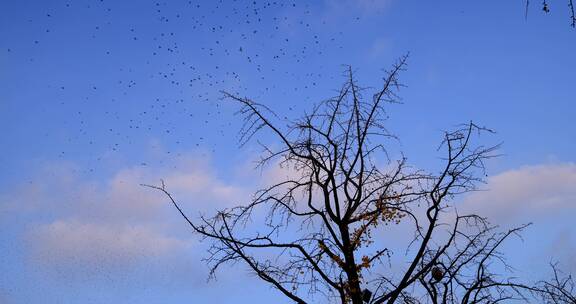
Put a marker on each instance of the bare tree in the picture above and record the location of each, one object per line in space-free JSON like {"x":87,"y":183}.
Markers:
{"x":546,"y":9}
{"x":325,"y":233}
{"x":560,"y":289}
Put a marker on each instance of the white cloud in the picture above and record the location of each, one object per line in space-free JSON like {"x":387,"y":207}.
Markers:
{"x":70,"y":223}
{"x":108,"y":245}
{"x":379,"y":48}
{"x":277,"y":172}
{"x":562,"y":249}
{"x":526,"y":193}
{"x":73,"y":224}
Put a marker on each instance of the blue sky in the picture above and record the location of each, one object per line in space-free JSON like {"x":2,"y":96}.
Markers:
{"x":99,"y":96}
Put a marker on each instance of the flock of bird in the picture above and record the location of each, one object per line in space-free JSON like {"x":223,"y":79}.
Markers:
{"x":172,"y":59}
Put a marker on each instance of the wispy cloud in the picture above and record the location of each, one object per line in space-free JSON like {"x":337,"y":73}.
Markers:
{"x":526,"y":193}
{"x":563,"y":249}
{"x":63,"y":244}
{"x":75,"y":226}
{"x":71,"y":223}
{"x":380,"y":47}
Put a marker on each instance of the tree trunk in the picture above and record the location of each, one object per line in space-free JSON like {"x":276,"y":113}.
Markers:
{"x":350,"y":267}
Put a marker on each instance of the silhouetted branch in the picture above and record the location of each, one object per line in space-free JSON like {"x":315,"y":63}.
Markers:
{"x":317,"y":235}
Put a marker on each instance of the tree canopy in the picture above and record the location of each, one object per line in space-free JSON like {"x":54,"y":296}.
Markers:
{"x":326,"y":230}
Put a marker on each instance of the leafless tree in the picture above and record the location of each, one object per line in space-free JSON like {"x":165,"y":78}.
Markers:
{"x":560,"y":289}
{"x":546,"y":9}
{"x":325,"y":236}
